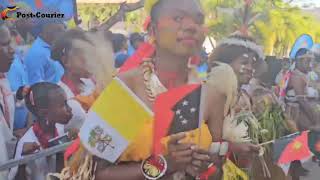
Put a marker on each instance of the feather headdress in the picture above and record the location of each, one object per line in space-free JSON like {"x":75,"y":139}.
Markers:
{"x":98,"y":56}
{"x":236,"y":40}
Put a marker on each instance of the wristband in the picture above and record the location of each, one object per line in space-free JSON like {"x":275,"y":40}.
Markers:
{"x":154,"y":167}
{"x":224,"y":148}
{"x":220,"y":148}
{"x":214,"y":147}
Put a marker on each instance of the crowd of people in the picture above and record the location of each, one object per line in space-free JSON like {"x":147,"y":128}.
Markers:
{"x":50,"y":76}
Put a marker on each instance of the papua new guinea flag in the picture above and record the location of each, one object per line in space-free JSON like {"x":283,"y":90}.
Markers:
{"x":177,"y":110}
{"x":291,"y":148}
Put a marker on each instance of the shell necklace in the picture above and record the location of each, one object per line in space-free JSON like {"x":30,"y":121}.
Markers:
{"x":153,"y":85}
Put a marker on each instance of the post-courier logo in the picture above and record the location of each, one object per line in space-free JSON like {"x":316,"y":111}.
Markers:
{"x":12,"y":12}
{"x":5,"y":14}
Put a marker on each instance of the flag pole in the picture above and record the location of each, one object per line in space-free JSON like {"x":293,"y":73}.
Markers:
{"x":201,"y":111}
{"x":272,"y":141}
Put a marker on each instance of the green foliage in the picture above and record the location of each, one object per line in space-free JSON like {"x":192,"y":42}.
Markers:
{"x":273,"y":122}
{"x":276,"y":28}
{"x":100,"y":12}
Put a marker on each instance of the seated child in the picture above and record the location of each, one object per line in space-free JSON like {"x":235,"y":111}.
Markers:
{"x":48,"y":103}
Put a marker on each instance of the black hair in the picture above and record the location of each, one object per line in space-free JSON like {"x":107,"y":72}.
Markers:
{"x":301,"y":52}
{"x":135,"y":37}
{"x":228,"y":53}
{"x":155,"y":11}
{"x":40,"y":95}
{"x":63,"y":44}
{"x":118,"y":41}
{"x":108,"y":35}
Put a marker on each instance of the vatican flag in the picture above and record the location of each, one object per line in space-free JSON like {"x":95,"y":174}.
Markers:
{"x":114,"y":120}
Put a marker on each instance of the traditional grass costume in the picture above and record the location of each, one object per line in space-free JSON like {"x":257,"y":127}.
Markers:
{"x":253,"y":116}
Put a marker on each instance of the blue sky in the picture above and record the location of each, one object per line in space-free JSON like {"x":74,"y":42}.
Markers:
{"x":301,"y":2}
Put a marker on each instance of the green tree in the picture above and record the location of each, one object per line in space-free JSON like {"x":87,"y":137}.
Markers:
{"x":276,"y":27}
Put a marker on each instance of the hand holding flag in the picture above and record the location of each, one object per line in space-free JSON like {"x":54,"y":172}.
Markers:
{"x":179,"y":154}
{"x":114,"y":121}
{"x":176,"y":110}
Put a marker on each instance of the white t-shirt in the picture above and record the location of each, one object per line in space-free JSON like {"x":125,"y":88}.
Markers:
{"x":8,"y":95}
{"x":38,"y":169}
{"x":77,"y":110}
{"x":6,"y":136}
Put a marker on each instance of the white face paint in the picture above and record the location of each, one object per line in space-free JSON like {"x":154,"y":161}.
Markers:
{"x":245,"y":55}
{"x":242,"y":68}
{"x":254,"y":59}
{"x":253,"y":71}
{"x":87,"y":87}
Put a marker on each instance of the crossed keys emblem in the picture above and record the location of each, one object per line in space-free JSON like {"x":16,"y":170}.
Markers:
{"x":100,"y":140}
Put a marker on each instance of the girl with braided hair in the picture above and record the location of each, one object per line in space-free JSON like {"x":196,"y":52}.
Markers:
{"x":48,"y":103}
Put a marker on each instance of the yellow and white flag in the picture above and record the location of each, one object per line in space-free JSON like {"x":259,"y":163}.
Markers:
{"x":114,"y":120}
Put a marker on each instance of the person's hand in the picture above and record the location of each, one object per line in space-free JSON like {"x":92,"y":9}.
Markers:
{"x":73,"y":133}
{"x":29,"y":148}
{"x":179,"y":154}
{"x":244,"y":149}
{"x":20,"y":132}
{"x":245,"y":153}
{"x":201,"y":160}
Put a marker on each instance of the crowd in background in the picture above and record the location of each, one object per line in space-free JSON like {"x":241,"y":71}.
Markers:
{"x":46,"y":89}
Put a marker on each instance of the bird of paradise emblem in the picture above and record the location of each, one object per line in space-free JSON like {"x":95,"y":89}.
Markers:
{"x":100,"y":140}
{"x":4,"y":14}
{"x":154,"y":167}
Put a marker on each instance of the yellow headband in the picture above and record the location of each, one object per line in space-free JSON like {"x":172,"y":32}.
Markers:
{"x":148,"y":5}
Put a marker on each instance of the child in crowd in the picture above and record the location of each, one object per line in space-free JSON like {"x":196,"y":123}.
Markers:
{"x":48,"y":103}
{"x":120,"y":48}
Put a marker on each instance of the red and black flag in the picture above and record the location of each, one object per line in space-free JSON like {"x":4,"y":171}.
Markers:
{"x":314,"y":143}
{"x":177,"y":110}
{"x":291,"y":148}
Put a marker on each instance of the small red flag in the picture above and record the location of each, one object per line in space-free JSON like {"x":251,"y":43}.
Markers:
{"x":176,"y":110}
{"x":38,"y":4}
{"x":296,"y":149}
